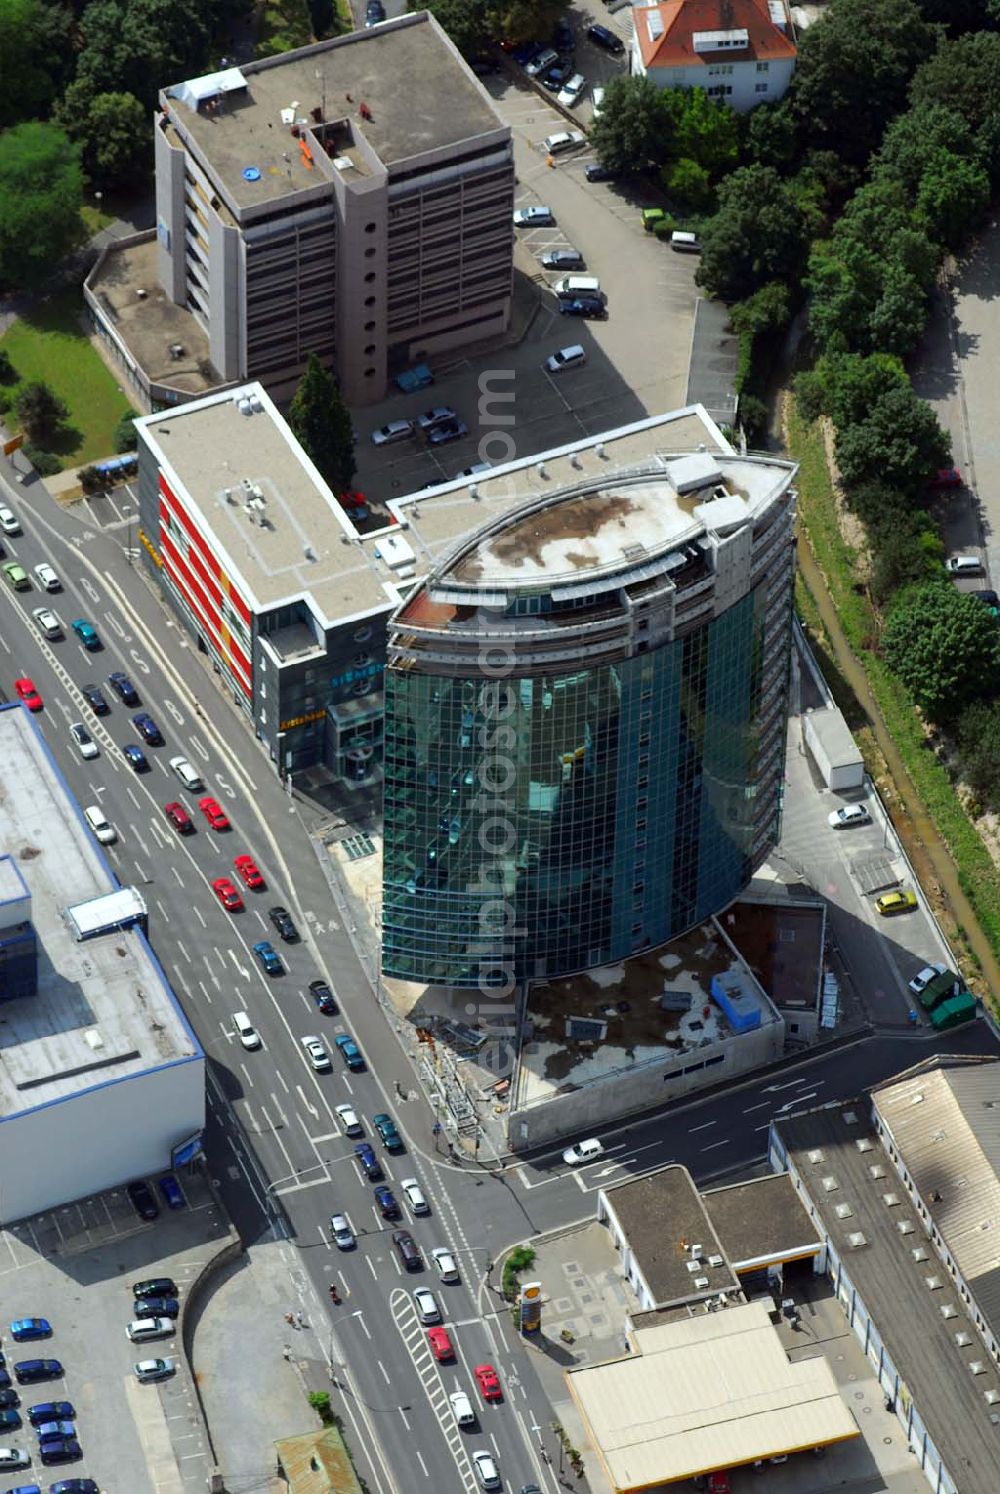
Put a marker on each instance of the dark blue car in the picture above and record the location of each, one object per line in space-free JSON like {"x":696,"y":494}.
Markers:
{"x":124,"y":688}
{"x":51,"y":1411}
{"x":365,"y":1154}
{"x":147,"y":728}
{"x":156,"y":1307}
{"x":135,"y":756}
{"x":26,"y":1371}
{"x":170,"y":1188}
{"x":588,"y":306}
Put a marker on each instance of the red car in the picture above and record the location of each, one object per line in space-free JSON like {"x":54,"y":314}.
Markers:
{"x":27,"y":692}
{"x":440,"y":1344}
{"x":718,"y":1483}
{"x":178,"y":817}
{"x":489,"y":1385}
{"x":212,"y":811}
{"x":946,"y":477}
{"x":247,"y":868}
{"x":227,"y":894}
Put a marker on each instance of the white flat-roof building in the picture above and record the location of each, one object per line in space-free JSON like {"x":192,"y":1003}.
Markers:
{"x":101,"y":1078}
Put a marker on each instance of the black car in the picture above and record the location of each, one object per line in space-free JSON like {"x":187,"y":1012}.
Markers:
{"x":9,"y":1399}
{"x":10,"y":1419}
{"x":562,"y":259}
{"x":141,"y":1198}
{"x":156,"y":1307}
{"x":282,"y":920}
{"x":27,"y":1371}
{"x":606,"y":40}
{"x":408,"y":1251}
{"x":589,"y":306}
{"x":155,"y":1286}
{"x":323,"y":997}
{"x":123,"y":687}
{"x":94,"y":697}
{"x":562,"y":36}
{"x":147,"y":728}
{"x":60,"y":1450}
{"x":595,"y":172}
{"x":484,"y":67}
{"x":368,"y":1161}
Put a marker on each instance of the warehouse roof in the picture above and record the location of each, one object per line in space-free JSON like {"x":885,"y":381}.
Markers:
{"x":946,"y":1126}
{"x":103,"y":1010}
{"x":867,"y":1214}
{"x":761,"y":1220}
{"x":709,"y":1391}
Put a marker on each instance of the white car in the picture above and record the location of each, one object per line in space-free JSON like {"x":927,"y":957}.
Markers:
{"x":349,"y":1120}
{"x":445,"y":1262}
{"x":461,"y":1408}
{"x":190,"y":778}
{"x":46,"y":577}
{"x":100,"y":825}
{"x":598,"y":100}
{"x":9,"y":522}
{"x":562,"y":140}
{"x":486,"y":1470}
{"x":340,"y":1229}
{"x":47,"y":622}
{"x":396,"y":430}
{"x":317,"y":1054}
{"x":571,"y":357}
{"x":414,"y":1196}
{"x":572,"y":92}
{"x":851,"y":814}
{"x":153,"y":1369}
{"x":426,"y":1304}
{"x":14,"y":1457}
{"x":143,"y":1328}
{"x":583,"y":1151}
{"x":924,"y":977}
{"x":81,"y":736}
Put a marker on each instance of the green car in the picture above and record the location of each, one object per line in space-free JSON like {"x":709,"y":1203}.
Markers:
{"x":386,"y":1128}
{"x":16,"y":576}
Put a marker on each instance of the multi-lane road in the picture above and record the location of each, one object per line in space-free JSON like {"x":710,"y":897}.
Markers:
{"x":274,"y":1139}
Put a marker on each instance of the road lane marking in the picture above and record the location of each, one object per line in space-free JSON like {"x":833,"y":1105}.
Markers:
{"x":716,"y":1144}
{"x":764,"y":1105}
{"x":693,"y":1129}
{"x":358,"y":1314}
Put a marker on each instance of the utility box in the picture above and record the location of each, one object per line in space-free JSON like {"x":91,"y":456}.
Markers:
{"x":834,"y":750}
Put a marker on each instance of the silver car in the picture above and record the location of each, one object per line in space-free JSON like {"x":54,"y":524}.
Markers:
{"x":85,"y":743}
{"x":396,"y":430}
{"x":340,"y":1229}
{"x":486,"y":1470}
{"x":47,"y":622}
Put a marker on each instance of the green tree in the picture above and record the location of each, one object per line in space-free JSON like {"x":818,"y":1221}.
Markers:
{"x":705,"y":130}
{"x":772,"y":135}
{"x":953,"y":198}
{"x":125,"y":438}
{"x":113,"y":132}
{"x":767,"y":310}
{"x":852,"y":73}
{"x":140,"y":46}
{"x":41,"y":413}
{"x":321,"y":17}
{"x":977,"y":736}
{"x":944,"y":646}
{"x":899,"y":442}
{"x":903,"y":553}
{"x":36,"y":45}
{"x":846,"y":385}
{"x":464,"y":21}
{"x":689,"y":186}
{"x":635,"y":126}
{"x":916,"y":139}
{"x":524,"y":20}
{"x":322,"y":423}
{"x":958,"y":16}
{"x":41,"y":187}
{"x":966,"y":73}
{"x":758,"y":234}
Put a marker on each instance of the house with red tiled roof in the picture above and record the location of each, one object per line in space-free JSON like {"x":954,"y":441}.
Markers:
{"x":741,"y":51}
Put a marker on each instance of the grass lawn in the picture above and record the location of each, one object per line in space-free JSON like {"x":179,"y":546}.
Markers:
{"x":50,"y":345}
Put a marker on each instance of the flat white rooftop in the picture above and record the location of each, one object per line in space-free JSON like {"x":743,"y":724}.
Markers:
{"x":103,"y":1010}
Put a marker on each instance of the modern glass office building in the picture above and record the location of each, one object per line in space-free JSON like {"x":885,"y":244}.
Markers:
{"x":585,"y":723}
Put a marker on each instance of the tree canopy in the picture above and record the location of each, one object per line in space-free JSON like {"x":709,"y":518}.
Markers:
{"x":945,"y":647}
{"x":634,"y":127}
{"x":473,"y":23}
{"x":758,"y":234}
{"x":321,"y":421}
{"x":40,"y":191}
{"x":114,"y":131}
{"x":899,"y":442}
{"x":36,"y":44}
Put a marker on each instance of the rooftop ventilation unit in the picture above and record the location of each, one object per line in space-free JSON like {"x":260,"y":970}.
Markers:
{"x":856,"y":1240}
{"x":919,"y":1253}
{"x":850,"y":1118}
{"x":977,"y":1367}
{"x":176,"y":350}
{"x":815,"y":1156}
{"x":963,"y":1339}
{"x":540,"y":469}
{"x":701,"y":1282}
{"x":863,"y":1144}
{"x":715,"y":1260}
{"x":933,"y":1283}
{"x":141,"y":293}
{"x":991,"y":1397}
{"x":844,"y":1211}
{"x":876,"y":1171}
{"x":309,"y":552}
{"x":601,"y":450}
{"x":695,"y":1252}
{"x":830,"y":1184}
{"x":905,"y":1226}
{"x":949,"y":1310}
{"x":890,"y":1200}
{"x":692,"y":1267}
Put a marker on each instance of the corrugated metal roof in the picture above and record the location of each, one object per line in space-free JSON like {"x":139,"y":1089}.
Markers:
{"x":711,"y":1390}
{"x":946,"y":1126}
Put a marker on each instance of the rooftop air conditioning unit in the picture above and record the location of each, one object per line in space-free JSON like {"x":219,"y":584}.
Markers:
{"x":141,"y":293}
{"x":176,"y":350}
{"x":701,"y":1282}
{"x":695,"y":1252}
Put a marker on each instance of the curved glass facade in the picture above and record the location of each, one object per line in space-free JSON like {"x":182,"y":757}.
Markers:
{"x":539,"y":822}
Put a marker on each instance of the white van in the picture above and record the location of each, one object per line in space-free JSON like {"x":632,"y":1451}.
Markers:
{"x":100,"y":824}
{"x":685,"y":242}
{"x":963,"y":565}
{"x":577,"y":285}
{"x":462,"y":1408}
{"x":187,"y":775}
{"x":246,"y":1031}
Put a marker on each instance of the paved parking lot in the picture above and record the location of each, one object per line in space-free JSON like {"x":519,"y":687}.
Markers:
{"x":74,"y":1266}
{"x":637,"y":360}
